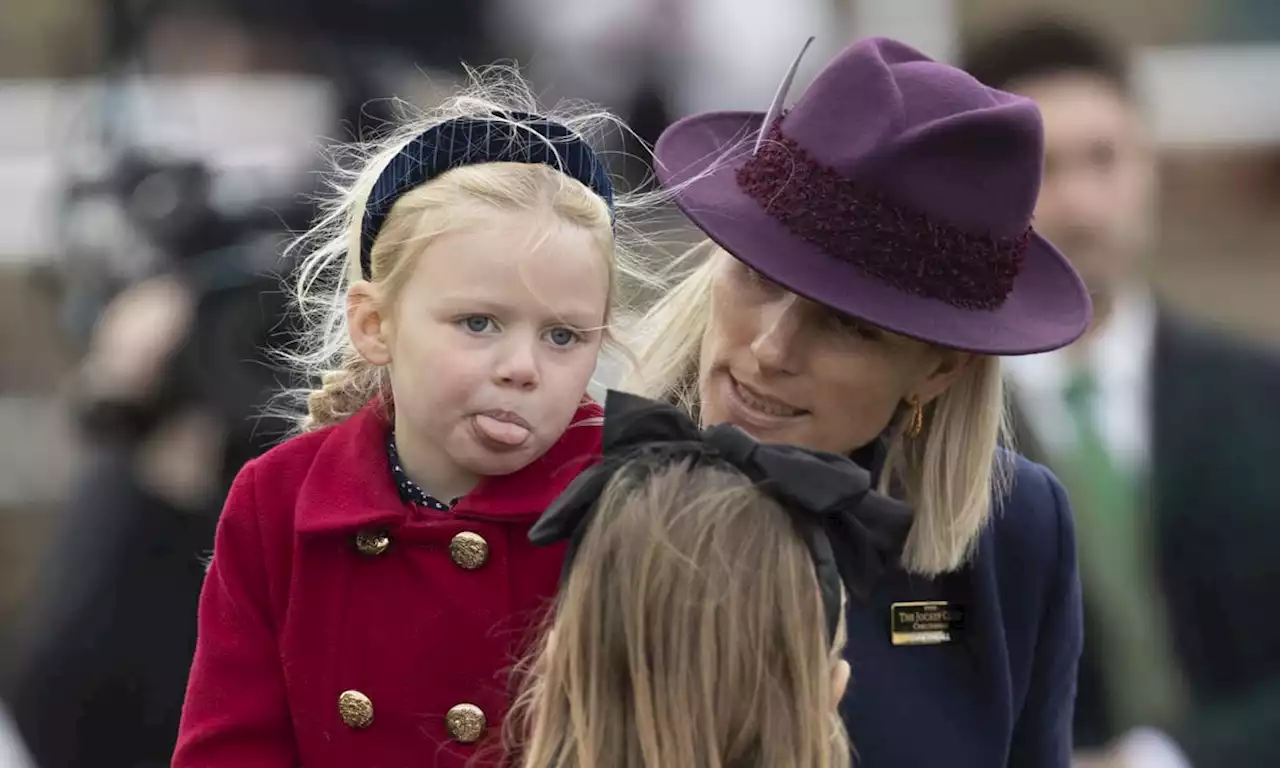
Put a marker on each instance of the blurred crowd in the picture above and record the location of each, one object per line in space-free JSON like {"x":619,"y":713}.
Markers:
{"x":168,"y":299}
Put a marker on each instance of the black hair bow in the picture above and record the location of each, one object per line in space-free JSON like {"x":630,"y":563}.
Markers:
{"x":852,"y":531}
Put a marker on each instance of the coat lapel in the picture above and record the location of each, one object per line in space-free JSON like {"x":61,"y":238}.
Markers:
{"x":349,"y":486}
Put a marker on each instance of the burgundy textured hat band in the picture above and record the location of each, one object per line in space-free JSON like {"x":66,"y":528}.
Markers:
{"x":901,"y":247}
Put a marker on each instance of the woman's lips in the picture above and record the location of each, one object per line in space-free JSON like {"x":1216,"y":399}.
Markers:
{"x":770,"y":406}
{"x":749,"y":408}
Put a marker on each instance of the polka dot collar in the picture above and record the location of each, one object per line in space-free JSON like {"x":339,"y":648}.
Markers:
{"x":411,"y":492}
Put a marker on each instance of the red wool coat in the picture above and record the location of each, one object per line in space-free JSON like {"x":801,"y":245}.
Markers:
{"x":341,"y":627}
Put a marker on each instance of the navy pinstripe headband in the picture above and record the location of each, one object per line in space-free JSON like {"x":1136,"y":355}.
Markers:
{"x":515,"y":137}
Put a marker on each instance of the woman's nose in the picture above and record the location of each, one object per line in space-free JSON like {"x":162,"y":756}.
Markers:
{"x":778,"y":339}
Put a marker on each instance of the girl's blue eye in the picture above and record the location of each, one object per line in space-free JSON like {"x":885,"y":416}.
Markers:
{"x":562,"y":337}
{"x":477,"y":323}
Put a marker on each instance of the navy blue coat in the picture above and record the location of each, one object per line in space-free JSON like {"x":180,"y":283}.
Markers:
{"x":1003,"y":692}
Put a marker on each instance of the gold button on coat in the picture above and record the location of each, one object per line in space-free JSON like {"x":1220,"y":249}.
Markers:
{"x":355,"y":709}
{"x":465,"y":723}
{"x":372,"y":543}
{"x":469,"y":550}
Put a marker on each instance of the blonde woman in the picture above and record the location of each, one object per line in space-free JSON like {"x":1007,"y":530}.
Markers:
{"x":873,"y":258}
{"x":700,"y":622}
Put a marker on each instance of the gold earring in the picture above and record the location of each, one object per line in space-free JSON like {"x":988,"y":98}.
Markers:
{"x":915,"y":425}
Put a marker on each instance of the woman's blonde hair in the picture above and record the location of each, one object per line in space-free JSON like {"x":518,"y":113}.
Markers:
{"x":689,"y":632}
{"x":329,"y":254}
{"x":951,"y":473}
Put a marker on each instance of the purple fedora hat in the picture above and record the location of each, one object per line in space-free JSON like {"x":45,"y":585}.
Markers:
{"x":898,"y":190}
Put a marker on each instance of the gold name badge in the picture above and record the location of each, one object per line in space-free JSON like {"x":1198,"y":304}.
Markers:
{"x":925,"y":623}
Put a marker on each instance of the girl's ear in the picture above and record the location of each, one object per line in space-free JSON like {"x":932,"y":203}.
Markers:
{"x":366,"y":324}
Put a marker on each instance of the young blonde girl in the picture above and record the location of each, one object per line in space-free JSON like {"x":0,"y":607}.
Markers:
{"x":701,"y":618}
{"x":372,"y":579}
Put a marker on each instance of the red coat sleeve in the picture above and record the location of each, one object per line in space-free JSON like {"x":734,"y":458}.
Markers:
{"x":236,"y":713}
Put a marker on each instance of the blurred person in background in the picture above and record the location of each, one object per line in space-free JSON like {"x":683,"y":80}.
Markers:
{"x":167,"y":397}
{"x":1165,"y":432}
{"x":173,"y":292}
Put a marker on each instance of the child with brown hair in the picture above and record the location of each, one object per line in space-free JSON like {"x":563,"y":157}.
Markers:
{"x":700,"y":618}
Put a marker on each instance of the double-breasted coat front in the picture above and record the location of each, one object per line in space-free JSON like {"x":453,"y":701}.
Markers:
{"x":342,"y":626}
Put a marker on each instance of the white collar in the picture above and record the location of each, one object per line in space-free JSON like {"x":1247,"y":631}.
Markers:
{"x":1120,"y":357}
{"x":1119,"y":354}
